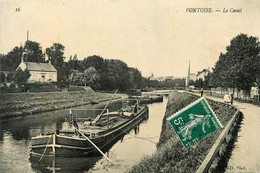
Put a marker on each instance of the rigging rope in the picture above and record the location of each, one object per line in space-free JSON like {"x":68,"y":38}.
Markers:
{"x":45,"y":148}
{"x":143,"y":138}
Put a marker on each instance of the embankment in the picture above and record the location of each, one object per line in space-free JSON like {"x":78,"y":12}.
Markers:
{"x":171,"y":156}
{"x":14,"y":105}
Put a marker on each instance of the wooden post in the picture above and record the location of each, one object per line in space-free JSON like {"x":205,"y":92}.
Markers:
{"x":107,"y":119}
{"x":53,"y":143}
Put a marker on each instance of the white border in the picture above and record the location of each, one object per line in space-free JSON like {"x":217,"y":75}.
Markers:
{"x":221,"y":126}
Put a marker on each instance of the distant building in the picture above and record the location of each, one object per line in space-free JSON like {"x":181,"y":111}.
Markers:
{"x":40,"y":72}
{"x":160,"y":79}
{"x":190,"y":76}
{"x":202,"y":74}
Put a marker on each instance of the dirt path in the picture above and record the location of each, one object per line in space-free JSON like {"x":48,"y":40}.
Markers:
{"x":245,"y":156}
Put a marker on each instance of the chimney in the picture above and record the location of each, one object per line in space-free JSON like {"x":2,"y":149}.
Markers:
{"x":22,"y":57}
{"x":47,"y":58}
{"x":27,"y":35}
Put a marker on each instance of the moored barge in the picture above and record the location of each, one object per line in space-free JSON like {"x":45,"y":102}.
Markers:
{"x":103,"y":133}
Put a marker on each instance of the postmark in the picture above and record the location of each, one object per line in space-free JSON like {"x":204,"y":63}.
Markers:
{"x":194,"y":122}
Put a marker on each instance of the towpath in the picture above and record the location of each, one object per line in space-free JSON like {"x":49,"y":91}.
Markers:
{"x":246,"y":154}
{"x":245,"y":157}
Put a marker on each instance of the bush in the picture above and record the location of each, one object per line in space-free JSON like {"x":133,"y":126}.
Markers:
{"x":40,"y":87}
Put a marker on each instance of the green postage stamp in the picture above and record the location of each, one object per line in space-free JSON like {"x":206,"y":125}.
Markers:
{"x":194,"y":122}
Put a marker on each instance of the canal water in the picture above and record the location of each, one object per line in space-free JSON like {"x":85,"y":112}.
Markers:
{"x":15,"y":141}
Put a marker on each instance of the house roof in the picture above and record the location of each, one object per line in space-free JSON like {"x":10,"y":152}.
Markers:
{"x":200,"y":72}
{"x":33,"y":66}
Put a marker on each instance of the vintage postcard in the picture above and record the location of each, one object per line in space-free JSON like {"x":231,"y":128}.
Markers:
{"x":123,"y":67}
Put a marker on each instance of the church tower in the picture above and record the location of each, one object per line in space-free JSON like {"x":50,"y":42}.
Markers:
{"x":188,"y":77}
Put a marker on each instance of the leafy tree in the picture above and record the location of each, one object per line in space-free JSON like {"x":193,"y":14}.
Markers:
{"x":101,"y":65}
{"x":118,"y":74}
{"x":2,"y":77}
{"x":177,"y":82}
{"x":11,"y":61}
{"x":199,"y":83}
{"x":94,"y":61}
{"x":206,"y":82}
{"x":91,"y":78}
{"x":10,"y":77}
{"x":219,"y":76}
{"x":76,"y":78}
{"x":20,"y":76}
{"x":74,"y":63}
{"x":192,"y":82}
{"x":135,"y":78}
{"x":33,"y":52}
{"x":239,"y":66}
{"x":243,"y":53}
{"x":56,"y":55}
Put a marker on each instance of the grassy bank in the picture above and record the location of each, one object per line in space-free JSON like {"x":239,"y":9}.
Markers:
{"x":171,"y":156}
{"x":20,"y":104}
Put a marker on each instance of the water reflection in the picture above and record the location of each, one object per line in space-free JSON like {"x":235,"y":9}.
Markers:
{"x":15,"y":141}
{"x":61,"y":164}
{"x":15,"y":136}
{"x":81,"y":164}
{"x":136,"y":129}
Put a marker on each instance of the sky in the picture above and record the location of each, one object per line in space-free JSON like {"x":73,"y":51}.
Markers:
{"x":155,"y":36}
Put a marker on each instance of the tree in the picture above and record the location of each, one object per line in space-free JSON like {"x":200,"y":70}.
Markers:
{"x":91,"y":78}
{"x":206,"y":82}
{"x":199,"y":83}
{"x":21,"y":76}
{"x":2,"y":77}
{"x":135,"y":78}
{"x":56,"y":55}
{"x":191,"y":82}
{"x":94,"y":61}
{"x":118,"y":74}
{"x":219,"y":76}
{"x":11,"y":61}
{"x":101,"y":65}
{"x":239,"y":66}
{"x":33,"y":52}
{"x":243,"y":53}
{"x":10,"y":77}
{"x":74,"y":63}
{"x":76,"y":78}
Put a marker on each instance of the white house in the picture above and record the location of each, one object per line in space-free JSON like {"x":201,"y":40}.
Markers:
{"x":40,"y":72}
{"x":202,"y":74}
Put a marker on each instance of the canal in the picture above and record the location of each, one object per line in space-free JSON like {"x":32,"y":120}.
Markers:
{"x":15,"y":141}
